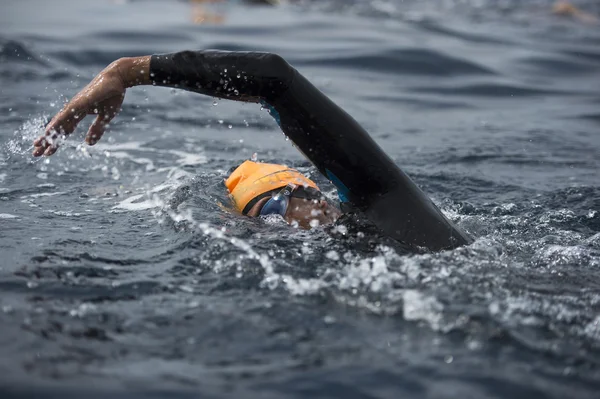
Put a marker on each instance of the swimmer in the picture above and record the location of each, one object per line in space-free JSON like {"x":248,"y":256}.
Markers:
{"x":202,"y":15}
{"x":261,"y":189}
{"x":367,"y":180}
{"x":566,"y":9}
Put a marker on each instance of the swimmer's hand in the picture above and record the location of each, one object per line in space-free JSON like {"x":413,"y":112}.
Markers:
{"x":102,"y":97}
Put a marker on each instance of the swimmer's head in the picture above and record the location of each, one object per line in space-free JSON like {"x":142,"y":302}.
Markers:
{"x":262,"y":189}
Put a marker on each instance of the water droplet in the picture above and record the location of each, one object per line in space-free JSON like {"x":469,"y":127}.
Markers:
{"x":332,"y":255}
{"x":343,"y":230}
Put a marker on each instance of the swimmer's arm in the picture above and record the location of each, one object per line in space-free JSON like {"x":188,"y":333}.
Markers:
{"x":235,"y":75}
{"x":102,"y":97}
{"x":241,"y":76}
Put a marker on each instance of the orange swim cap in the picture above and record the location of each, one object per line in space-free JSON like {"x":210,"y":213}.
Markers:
{"x":252,"y":181}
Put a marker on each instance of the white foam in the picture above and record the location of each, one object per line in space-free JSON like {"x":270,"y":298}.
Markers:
{"x":592,"y":329}
{"x":187,"y":158}
{"x":419,"y":306}
{"x":119,"y":151}
{"x":303,"y":286}
{"x":44,"y":194}
{"x":133,"y":204}
{"x":129,"y":145}
{"x":273,"y":219}
{"x":65,"y":213}
{"x":371,"y":273}
{"x":140,"y":161}
{"x":8,"y":216}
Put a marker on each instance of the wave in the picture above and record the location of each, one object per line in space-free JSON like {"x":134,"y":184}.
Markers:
{"x":491,"y":90}
{"x":405,"y":61}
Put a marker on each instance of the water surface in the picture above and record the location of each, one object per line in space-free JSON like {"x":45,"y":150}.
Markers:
{"x":120,"y":273}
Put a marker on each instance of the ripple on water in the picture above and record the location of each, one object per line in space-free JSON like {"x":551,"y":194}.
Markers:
{"x":122,"y":264}
{"x":407,"y":61}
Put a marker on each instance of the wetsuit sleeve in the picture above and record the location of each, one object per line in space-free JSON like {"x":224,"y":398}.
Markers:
{"x":242,"y":76}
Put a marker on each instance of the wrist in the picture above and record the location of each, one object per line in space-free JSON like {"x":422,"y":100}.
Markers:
{"x":133,"y":71}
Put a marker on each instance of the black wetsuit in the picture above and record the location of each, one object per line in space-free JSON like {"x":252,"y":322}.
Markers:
{"x":334,"y":142}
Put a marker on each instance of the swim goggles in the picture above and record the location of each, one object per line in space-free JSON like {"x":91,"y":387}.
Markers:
{"x":278,"y":204}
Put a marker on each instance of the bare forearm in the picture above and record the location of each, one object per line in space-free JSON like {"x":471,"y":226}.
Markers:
{"x":133,"y":71}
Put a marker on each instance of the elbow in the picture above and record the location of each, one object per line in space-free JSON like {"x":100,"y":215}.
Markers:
{"x":279,"y":72}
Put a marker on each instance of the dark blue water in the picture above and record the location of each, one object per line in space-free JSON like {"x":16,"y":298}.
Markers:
{"x":121,"y":275}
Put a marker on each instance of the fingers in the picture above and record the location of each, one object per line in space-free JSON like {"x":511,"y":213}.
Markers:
{"x":46,"y":144}
{"x":63,"y":124}
{"x":39,"y":148}
{"x":108,"y":111}
{"x":42,"y":145}
{"x":70,"y":116}
{"x":39,"y":141}
{"x":97,"y":129}
{"x":51,"y":150}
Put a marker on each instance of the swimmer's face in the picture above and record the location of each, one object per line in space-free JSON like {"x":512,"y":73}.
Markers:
{"x":304,"y":212}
